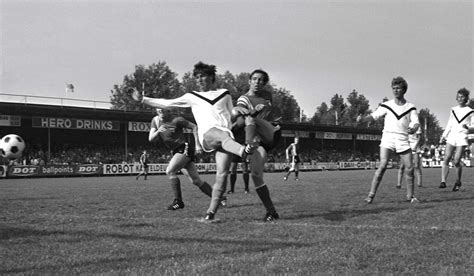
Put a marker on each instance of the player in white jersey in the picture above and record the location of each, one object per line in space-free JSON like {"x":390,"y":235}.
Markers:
{"x":414,"y":140}
{"x":212,"y":111}
{"x":400,"y":119}
{"x":455,"y":136}
{"x":293,"y":157}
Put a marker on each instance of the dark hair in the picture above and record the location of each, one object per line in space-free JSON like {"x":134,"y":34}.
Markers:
{"x":463,"y":91}
{"x":266,"y":78}
{"x":204,"y":68}
{"x":400,"y":81}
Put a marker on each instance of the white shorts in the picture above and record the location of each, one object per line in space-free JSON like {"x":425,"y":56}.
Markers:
{"x":457,"y":140}
{"x":201,"y":137}
{"x":395,"y":141}
{"x":413,"y":143}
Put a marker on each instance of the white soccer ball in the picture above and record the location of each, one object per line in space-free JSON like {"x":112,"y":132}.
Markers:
{"x":12,"y":146}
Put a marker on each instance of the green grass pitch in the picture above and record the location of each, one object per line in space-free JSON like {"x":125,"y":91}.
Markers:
{"x":117,"y":225}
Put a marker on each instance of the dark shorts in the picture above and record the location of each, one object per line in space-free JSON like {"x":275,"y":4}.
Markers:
{"x":276,"y":140}
{"x":236,"y":158}
{"x":187,"y":150}
{"x":296,"y":159}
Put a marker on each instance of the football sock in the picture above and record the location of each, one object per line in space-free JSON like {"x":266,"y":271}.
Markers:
{"x":233,"y":179}
{"x":176,"y":186}
{"x":232,"y":146}
{"x":250,"y":130}
{"x":419,"y":178}
{"x":246,"y":180}
{"x":217,"y":193}
{"x":206,"y":189}
{"x":264,"y":195}
{"x":296,"y":174}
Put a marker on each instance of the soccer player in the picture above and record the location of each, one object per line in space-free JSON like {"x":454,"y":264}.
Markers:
{"x":414,"y":140}
{"x":144,"y":165}
{"x":455,"y":136}
{"x":400,"y":120}
{"x":292,"y":155}
{"x":256,"y":108}
{"x":170,"y":132}
{"x":212,"y":110}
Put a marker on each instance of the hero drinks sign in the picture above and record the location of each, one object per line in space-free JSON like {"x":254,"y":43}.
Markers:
{"x":70,"y":123}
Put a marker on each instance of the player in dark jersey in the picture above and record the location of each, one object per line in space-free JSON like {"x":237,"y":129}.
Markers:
{"x":144,"y":165}
{"x":170,"y":132}
{"x":256,"y":110}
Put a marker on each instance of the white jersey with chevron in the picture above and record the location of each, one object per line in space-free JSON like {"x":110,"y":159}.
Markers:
{"x":210,"y":109}
{"x":397,"y":117}
{"x":458,"y":119}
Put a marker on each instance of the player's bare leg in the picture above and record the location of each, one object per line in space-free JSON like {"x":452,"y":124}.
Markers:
{"x":223,"y":160}
{"x":177,"y":162}
{"x":257,"y":164}
{"x":401,"y":172}
{"x":458,"y":165}
{"x":379,"y":173}
{"x":445,"y":165}
{"x":406,"y":158}
{"x":418,"y":172}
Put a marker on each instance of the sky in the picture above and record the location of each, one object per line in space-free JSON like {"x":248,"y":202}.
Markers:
{"x":314,"y":49}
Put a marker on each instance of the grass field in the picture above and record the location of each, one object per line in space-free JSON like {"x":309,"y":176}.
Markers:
{"x":116,"y":225}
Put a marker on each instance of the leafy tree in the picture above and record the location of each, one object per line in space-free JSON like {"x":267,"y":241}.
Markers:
{"x":286,"y":103}
{"x":358,"y":104}
{"x":430,"y":126}
{"x":157,"y":80}
{"x":321,"y":116}
{"x":338,"y":108}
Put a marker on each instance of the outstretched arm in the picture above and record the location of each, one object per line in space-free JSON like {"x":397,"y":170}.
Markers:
{"x":160,"y":103}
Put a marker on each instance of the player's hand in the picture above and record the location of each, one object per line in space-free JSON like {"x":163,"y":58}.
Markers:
{"x":137,"y":95}
{"x":239,"y":110}
{"x":198,"y":151}
{"x":162,"y":128}
{"x":411,"y":130}
{"x":442,"y":140}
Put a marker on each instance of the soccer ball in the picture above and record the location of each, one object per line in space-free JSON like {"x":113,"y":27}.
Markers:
{"x":12,"y":146}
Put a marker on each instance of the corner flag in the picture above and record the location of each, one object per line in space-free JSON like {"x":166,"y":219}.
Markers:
{"x":69,"y":88}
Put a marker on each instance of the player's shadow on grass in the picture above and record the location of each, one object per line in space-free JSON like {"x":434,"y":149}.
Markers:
{"x":209,"y":246}
{"x":342,"y":215}
{"x":438,"y":200}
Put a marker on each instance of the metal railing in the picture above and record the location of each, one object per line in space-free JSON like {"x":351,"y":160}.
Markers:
{"x":31,"y":99}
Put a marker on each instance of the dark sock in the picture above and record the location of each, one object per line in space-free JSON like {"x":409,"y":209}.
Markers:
{"x":296,"y":174}
{"x":246,"y":181}
{"x":264,"y":195}
{"x":176,"y":186}
{"x":233,"y":179}
{"x":206,"y":189}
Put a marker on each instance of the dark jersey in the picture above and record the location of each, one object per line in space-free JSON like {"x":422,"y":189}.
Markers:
{"x":261,"y":103}
{"x":173,"y":137}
